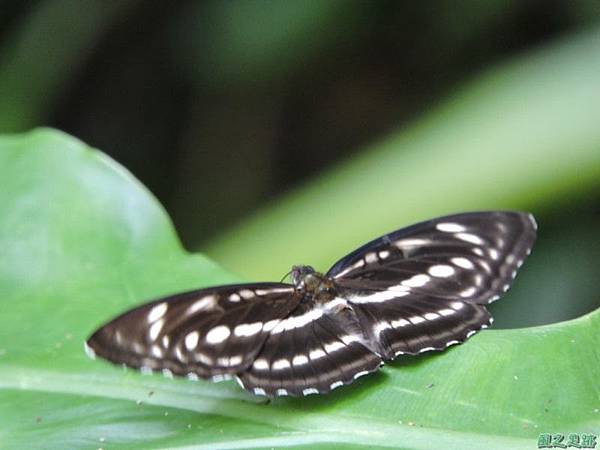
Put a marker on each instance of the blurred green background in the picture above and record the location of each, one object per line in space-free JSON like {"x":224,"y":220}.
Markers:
{"x":291,"y":132}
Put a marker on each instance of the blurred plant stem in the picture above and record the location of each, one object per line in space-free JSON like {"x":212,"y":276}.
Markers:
{"x":523,"y":135}
{"x":45,"y":54}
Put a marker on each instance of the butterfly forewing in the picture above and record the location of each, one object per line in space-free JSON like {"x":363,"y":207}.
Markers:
{"x":469,"y":257}
{"x":206,"y":333}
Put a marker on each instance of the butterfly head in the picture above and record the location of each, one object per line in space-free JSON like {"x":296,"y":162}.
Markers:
{"x":308,"y":281}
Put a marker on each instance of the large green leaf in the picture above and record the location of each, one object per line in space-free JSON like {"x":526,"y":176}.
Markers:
{"x":82,"y":240}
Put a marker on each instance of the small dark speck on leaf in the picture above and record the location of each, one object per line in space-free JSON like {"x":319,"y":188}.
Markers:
{"x":430,"y":385}
{"x":38,"y":419}
{"x":150,"y":394}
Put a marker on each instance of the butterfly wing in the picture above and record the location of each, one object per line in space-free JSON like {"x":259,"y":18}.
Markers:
{"x":424,"y":287}
{"x":312,"y":351}
{"x":205,"y":333}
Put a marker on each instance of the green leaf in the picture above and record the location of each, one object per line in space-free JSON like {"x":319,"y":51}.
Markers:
{"x":82,"y":240}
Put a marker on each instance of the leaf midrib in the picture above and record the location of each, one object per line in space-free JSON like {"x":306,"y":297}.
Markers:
{"x":312,"y":428}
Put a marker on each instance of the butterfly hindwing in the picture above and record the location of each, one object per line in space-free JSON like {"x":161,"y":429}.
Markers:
{"x":416,"y":323}
{"x":310,"y":352}
{"x":205,"y":333}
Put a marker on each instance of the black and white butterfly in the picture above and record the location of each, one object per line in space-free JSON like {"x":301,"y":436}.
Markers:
{"x":417,"y":289}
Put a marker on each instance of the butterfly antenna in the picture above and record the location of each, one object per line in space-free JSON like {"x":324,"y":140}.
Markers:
{"x":285,"y":276}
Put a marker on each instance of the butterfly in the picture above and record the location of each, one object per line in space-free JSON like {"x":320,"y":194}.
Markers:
{"x":416,"y":289}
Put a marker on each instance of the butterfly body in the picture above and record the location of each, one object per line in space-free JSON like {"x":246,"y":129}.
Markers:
{"x":417,"y":289}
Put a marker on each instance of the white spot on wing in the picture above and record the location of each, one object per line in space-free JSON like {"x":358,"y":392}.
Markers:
{"x":441,"y":270}
{"x":416,"y":319}
{"x":457,"y":305}
{"x":281,"y":364}
{"x":282,"y":392}
{"x":261,"y":364}
{"x":205,"y":359}
{"x":383,"y":296}
{"x":247,"y":294}
{"x":167,"y":373}
{"x":300,"y":360}
{"x":463,"y":262}
{"x":89,"y":350}
{"x":494,"y":254}
{"x":155,"y":328}
{"x":446,"y":312}
{"x":469,"y":237}
{"x":371,"y":257}
{"x":192,"y":376}
{"x":218,"y":334}
{"x":416,"y":281}
{"x":450,"y":227}
{"x":336,"y":303}
{"x":336,"y":384}
{"x":235,"y":297}
{"x":297,"y":321}
{"x":533,"y":222}
{"x":259,"y":391}
{"x":156,"y":351}
{"x":349,"y":339}
{"x":334,"y":347}
{"x":310,"y":391}
{"x":268,"y":326}
{"x":467,"y":292}
{"x":191,"y":340}
{"x":360,"y":374}
{"x":316,"y":354}
{"x":220,"y":377}
{"x":383,"y":254}
{"x":157,"y":312}
{"x":426,"y":349}
{"x":431,"y":316}
{"x":411,"y":242}
{"x":248,"y":329}
{"x":229,"y":361}
{"x":380,"y":327}
{"x":400,"y":323}
{"x":202,"y":304}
